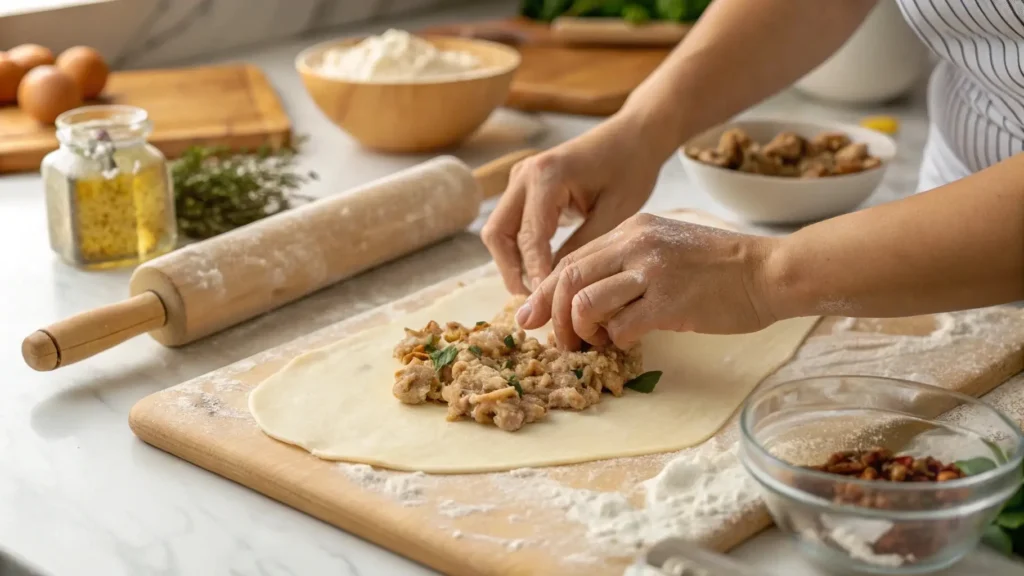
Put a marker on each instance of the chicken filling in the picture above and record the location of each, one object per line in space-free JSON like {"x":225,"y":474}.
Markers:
{"x":494,"y":373}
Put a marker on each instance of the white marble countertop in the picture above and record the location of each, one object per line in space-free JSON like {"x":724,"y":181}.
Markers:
{"x":79,"y":494}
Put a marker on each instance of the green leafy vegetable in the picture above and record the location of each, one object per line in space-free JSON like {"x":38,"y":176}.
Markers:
{"x":514,"y":382}
{"x":510,"y":342}
{"x":585,"y":8}
{"x":1006,"y":533}
{"x":680,"y":10}
{"x":476,"y":350}
{"x":670,"y":9}
{"x":579,"y":373}
{"x":995,"y":537}
{"x":645,"y":382}
{"x":1016,"y":501}
{"x":443,"y":357}
{"x":481,"y":323}
{"x":552,"y":9}
{"x":1011,"y":519}
{"x":635,"y":14}
{"x":612,"y":8}
{"x":996,"y":451}
{"x":635,"y":11}
{"x":976,"y":466}
{"x":508,"y":364}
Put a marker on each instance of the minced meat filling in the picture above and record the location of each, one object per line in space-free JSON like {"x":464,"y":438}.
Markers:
{"x":495,"y":374}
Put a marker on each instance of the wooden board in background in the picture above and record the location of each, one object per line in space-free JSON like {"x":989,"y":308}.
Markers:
{"x":554,"y":77}
{"x":206,"y":422}
{"x":231,"y":105}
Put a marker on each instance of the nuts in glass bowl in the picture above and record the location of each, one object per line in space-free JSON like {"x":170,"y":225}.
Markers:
{"x":882,"y":464}
{"x":788,"y":154}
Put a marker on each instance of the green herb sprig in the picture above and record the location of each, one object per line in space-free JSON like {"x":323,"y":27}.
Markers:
{"x":645,"y":382}
{"x":1006,"y":533}
{"x":513,"y":381}
{"x":217,"y":190}
{"x":443,"y":357}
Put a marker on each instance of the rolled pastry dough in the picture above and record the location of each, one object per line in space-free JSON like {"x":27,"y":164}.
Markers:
{"x":336,"y":402}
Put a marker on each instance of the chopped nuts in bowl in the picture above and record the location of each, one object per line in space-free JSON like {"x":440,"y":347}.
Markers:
{"x":870,"y":474}
{"x":788,"y":154}
{"x":785,"y":172}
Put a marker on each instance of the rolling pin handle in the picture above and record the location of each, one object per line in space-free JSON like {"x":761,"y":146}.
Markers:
{"x":493,"y":177}
{"x":92,"y":332}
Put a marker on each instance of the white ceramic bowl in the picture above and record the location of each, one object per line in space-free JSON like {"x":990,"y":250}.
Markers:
{"x":779,"y":200}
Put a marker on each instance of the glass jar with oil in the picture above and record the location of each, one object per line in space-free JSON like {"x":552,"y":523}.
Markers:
{"x":109,"y":198}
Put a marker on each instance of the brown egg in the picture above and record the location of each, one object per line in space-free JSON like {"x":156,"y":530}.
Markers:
{"x":10,"y":75}
{"x":31,"y":55}
{"x":46,"y":92}
{"x":87,"y":67}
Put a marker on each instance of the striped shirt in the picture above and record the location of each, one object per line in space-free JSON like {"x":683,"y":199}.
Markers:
{"x":976,"y":93}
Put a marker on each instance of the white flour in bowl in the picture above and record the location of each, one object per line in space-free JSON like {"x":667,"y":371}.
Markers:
{"x":395,"y":56}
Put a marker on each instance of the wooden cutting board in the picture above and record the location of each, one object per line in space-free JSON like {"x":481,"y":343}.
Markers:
{"x":231,"y":105}
{"x":554,"y":77}
{"x":475,"y":524}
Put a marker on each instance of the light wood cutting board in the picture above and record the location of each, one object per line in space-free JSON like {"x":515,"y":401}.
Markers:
{"x":554,"y":77}
{"x":206,"y":421}
{"x":231,"y":105}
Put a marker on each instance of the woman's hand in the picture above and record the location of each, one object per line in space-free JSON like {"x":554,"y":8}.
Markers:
{"x":605,"y":175}
{"x":653,"y":273}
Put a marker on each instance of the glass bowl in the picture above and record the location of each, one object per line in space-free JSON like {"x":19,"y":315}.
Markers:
{"x":876,"y":526}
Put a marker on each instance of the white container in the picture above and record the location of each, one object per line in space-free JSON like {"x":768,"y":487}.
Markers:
{"x":781,"y":200}
{"x":881,"y":61}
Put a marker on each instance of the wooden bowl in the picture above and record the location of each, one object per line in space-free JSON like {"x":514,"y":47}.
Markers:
{"x":415,"y":116}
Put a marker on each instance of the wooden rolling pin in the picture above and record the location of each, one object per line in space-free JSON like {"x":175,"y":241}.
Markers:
{"x":208,"y":286}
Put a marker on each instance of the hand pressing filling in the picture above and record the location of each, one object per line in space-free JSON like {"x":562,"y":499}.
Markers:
{"x":494,"y":373}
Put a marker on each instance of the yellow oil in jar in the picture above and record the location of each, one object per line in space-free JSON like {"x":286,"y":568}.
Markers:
{"x":124,"y":219}
{"x":109,"y":196}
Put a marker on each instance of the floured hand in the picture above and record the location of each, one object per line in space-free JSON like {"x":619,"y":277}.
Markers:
{"x":600,"y":178}
{"x":653,"y":273}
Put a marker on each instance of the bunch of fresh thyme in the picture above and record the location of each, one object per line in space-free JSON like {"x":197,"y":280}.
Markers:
{"x":216,"y":190}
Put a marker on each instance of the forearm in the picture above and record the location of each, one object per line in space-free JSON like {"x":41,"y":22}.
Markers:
{"x":738,"y":54}
{"x":956,"y":247}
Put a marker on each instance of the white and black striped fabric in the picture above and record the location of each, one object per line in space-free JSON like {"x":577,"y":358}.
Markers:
{"x":976,"y":94}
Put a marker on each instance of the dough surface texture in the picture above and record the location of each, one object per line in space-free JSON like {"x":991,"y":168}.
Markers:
{"x":336,"y":402}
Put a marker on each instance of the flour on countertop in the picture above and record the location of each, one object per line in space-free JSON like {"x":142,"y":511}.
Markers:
{"x":407,"y":488}
{"x":920,"y":358}
{"x":211,"y":405}
{"x":695,"y":493}
{"x":511,"y":544}
{"x":453,"y":509}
